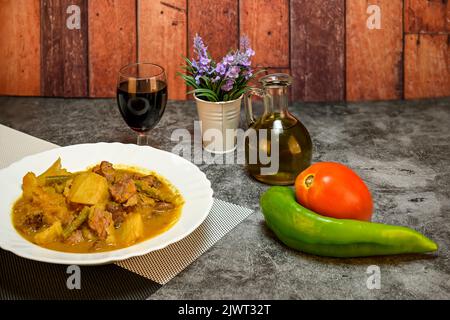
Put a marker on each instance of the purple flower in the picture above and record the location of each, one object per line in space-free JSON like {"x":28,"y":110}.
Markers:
{"x":233,"y":73}
{"x":233,"y":67}
{"x":235,"y":64}
{"x":197,"y":78}
{"x":245,"y":47}
{"x":247,"y":74}
{"x":245,"y":42}
{"x":228,"y":85}
{"x":250,"y":52}
{"x":221,"y":69}
{"x":204,"y":61}
{"x":199,"y":46}
{"x":202,"y":66}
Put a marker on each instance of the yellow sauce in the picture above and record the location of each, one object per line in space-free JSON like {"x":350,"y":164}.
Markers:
{"x":154,"y":223}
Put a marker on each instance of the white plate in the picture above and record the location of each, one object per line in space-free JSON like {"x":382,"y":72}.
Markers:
{"x":185,"y":176}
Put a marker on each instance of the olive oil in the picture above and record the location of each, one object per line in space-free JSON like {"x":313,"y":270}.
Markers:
{"x":277,"y":146}
{"x":294,"y":149}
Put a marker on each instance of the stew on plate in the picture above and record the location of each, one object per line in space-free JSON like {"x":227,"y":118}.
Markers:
{"x":101,"y":209}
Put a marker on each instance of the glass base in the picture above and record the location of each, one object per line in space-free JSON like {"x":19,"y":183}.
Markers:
{"x":143,"y":140}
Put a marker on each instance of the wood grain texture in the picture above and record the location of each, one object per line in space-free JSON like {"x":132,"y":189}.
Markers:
{"x":75,"y":54}
{"x":426,"y":16}
{"x":20,"y":47}
{"x":216,"y":22}
{"x":266,"y":22}
{"x":64,"y":50}
{"x":374,"y":56}
{"x":162,"y":39}
{"x":110,"y":47}
{"x":318,"y":50}
{"x":427,"y":66}
{"x":52,"y":71}
{"x":448,"y":17}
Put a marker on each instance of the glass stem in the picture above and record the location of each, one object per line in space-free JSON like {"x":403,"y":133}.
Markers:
{"x":142,"y":139}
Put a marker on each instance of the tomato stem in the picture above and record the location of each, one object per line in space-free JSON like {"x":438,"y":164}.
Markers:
{"x":309,"y":181}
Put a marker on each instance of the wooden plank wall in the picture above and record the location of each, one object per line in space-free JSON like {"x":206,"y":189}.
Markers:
{"x":374,"y":56}
{"x":426,"y":16}
{"x":111,"y":47}
{"x":427,"y":65}
{"x":217,"y":23}
{"x":427,"y":52}
{"x":162,"y":39}
{"x":20,"y":54}
{"x":64,"y":51}
{"x":325,"y":44}
{"x":318,"y":50}
{"x":266,"y":23}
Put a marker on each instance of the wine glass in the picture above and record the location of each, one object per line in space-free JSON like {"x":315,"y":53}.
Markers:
{"x":142,"y":97}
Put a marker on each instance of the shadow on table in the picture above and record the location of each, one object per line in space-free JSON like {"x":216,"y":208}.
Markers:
{"x":26,"y":279}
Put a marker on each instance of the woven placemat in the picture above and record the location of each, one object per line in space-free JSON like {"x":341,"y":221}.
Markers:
{"x":40,"y":280}
{"x":162,"y":265}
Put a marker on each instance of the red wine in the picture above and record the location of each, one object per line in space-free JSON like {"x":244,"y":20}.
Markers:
{"x":141,"y":104}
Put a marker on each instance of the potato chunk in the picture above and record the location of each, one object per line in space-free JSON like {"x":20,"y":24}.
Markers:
{"x":132,"y":229}
{"x":88,"y":188}
{"x":29,"y":184}
{"x":51,"y":234}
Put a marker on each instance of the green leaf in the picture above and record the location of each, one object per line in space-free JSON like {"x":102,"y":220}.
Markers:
{"x":202,"y":92}
{"x":187,"y":68}
{"x":208,"y":96}
{"x":189,"y":62}
{"x":207,"y":82}
{"x":189,"y":80}
{"x":238,"y":87}
{"x":239,"y":93}
{"x":257,"y":73}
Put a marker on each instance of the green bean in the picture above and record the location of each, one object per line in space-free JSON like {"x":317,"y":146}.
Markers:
{"x":154,"y":192}
{"x":51,"y":180}
{"x":76,"y":223}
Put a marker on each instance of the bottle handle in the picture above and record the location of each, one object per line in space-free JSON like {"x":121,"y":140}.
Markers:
{"x":248,"y":104}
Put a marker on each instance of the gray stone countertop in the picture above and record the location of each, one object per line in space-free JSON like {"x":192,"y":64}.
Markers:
{"x":401,"y":149}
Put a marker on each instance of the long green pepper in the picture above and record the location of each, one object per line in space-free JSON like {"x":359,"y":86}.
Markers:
{"x":304,"y":230}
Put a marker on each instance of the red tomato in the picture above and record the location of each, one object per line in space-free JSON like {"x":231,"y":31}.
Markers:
{"x":334,"y":190}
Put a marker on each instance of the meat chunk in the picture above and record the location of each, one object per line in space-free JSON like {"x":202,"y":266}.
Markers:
{"x":117,"y":212}
{"x":99,"y":221}
{"x":113,"y":207}
{"x":34,"y":221}
{"x":152,"y":181}
{"x":123,"y":189}
{"x":105,"y":169}
{"x":75,"y":238}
